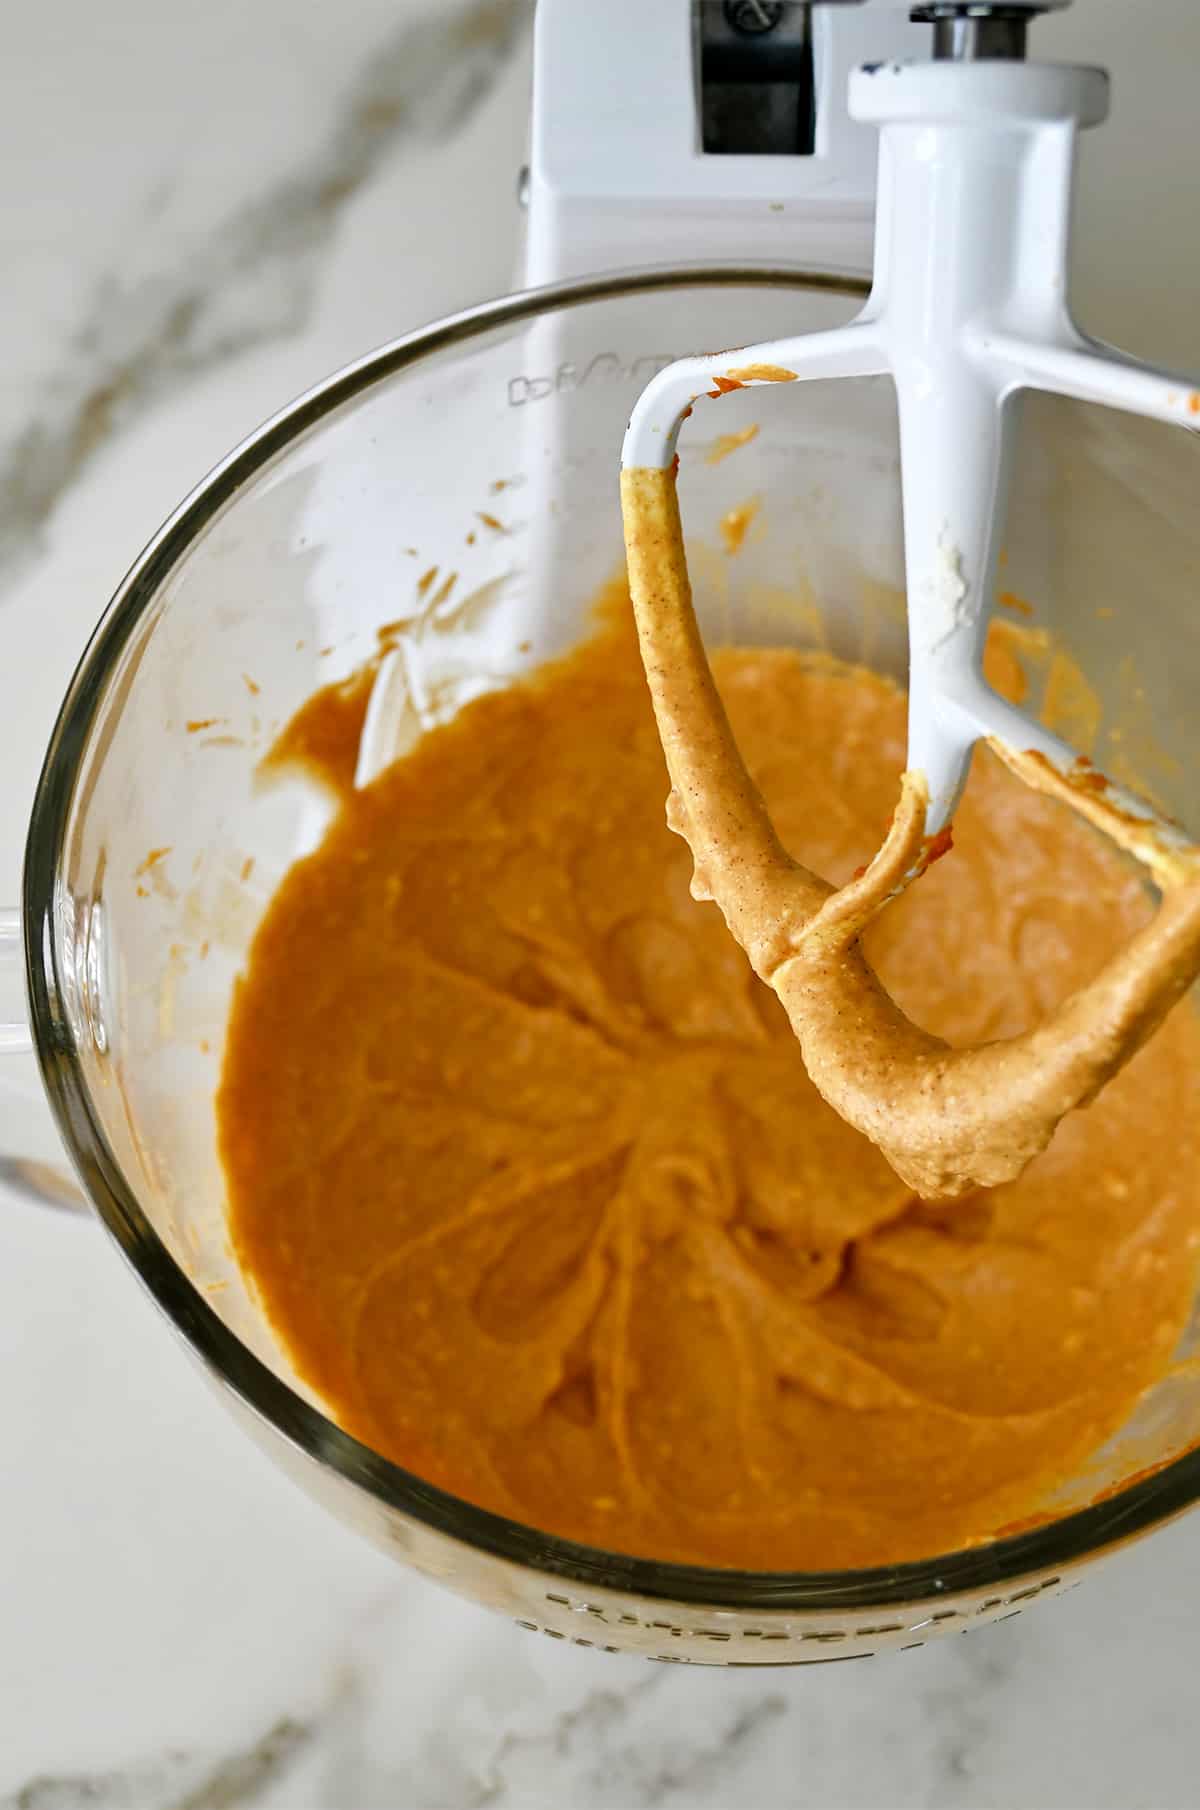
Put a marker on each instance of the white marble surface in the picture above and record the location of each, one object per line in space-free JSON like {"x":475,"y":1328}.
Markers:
{"x":201,"y":211}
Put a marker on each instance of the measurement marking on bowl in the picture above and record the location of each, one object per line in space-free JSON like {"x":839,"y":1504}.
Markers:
{"x":934,"y":1621}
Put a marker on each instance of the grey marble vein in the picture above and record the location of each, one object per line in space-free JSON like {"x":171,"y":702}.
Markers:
{"x":256,"y":277}
{"x":959,"y":1714}
{"x":625,"y":1774}
{"x":618,"y":1748}
{"x":929,"y":1732}
{"x":176,"y":1782}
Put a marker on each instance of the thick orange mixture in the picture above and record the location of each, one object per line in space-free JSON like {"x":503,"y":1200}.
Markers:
{"x":530,"y":1175}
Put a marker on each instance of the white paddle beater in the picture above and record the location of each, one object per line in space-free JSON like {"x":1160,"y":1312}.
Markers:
{"x":968,"y":308}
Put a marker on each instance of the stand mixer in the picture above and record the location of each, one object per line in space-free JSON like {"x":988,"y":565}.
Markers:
{"x":299,"y":542}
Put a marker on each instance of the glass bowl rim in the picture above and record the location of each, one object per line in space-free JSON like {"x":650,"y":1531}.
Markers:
{"x":1051,"y":1546}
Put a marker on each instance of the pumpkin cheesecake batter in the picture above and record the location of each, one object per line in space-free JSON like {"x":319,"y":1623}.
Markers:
{"x":528,"y":1171}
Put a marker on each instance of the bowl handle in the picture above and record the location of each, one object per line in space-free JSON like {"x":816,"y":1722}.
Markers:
{"x":31,"y":1153}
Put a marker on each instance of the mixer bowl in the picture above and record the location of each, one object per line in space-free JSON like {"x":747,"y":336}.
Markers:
{"x":487,"y":444}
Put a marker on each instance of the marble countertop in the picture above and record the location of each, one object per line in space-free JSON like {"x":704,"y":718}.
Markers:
{"x":201,"y":213}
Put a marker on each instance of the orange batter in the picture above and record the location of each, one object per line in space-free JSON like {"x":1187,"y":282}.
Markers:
{"x":528,"y":1170}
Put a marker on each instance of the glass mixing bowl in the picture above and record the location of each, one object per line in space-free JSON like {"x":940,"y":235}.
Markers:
{"x":488,"y":445}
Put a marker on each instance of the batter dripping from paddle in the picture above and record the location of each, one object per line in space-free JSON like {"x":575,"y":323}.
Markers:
{"x":948,"y":1120}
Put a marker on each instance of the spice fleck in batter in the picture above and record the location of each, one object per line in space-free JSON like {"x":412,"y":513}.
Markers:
{"x":527,"y":1168}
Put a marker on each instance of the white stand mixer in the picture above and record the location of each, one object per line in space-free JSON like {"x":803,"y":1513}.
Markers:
{"x":967,"y":309}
